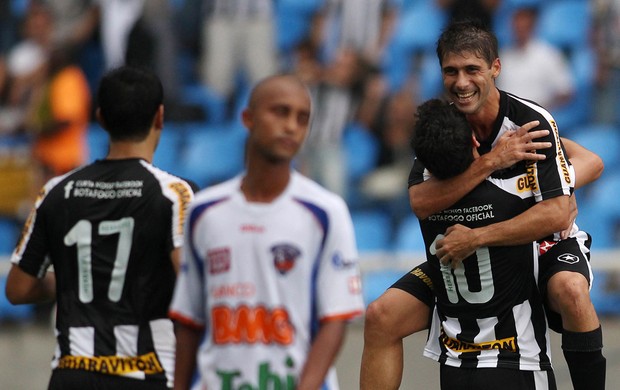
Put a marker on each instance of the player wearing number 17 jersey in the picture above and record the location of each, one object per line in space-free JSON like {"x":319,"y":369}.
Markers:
{"x":111,"y":231}
{"x":488,"y":313}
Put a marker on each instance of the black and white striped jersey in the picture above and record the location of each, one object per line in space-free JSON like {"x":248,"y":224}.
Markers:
{"x":108,"y":229}
{"x":488,"y":310}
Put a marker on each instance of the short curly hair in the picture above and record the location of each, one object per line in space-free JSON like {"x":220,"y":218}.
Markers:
{"x":442,"y":139}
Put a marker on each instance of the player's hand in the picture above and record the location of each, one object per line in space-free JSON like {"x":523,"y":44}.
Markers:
{"x":455,"y":246}
{"x":572,"y":203}
{"x":519,"y":145}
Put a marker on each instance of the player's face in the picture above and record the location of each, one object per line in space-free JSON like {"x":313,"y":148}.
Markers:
{"x":469,"y":81}
{"x":279,"y":121}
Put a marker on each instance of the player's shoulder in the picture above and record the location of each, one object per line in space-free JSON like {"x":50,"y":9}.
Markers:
{"x":218,"y":191}
{"x":168,"y":179}
{"x":306,"y":189}
{"x":521,"y":110}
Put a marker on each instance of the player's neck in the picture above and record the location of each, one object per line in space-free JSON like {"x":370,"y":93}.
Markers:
{"x":120,"y":150}
{"x":483,"y":121}
{"x":266,"y":184}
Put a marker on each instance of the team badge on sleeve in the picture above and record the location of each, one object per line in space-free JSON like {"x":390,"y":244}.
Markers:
{"x":284,"y":257}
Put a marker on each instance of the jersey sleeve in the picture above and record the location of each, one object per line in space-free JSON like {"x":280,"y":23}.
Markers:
{"x":550,"y":177}
{"x":32,"y":249}
{"x":180,"y":194}
{"x":339,"y":282}
{"x":416,"y":175}
{"x":188,"y":301}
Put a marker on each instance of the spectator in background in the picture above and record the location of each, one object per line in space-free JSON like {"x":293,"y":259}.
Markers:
{"x":534,"y":69}
{"x":58,"y":116}
{"x":607,"y":44}
{"x":238,"y":38}
{"x":75,"y":22}
{"x":335,"y":98}
{"x":392,"y":123}
{"x":365,"y":27}
{"x":25,"y":61}
{"x":141,"y":33}
{"x":348,"y":38}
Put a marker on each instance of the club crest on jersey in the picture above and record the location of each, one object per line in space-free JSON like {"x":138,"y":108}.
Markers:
{"x":568,"y":258}
{"x":284,"y":257}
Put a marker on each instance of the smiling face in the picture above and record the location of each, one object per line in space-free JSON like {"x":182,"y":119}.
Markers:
{"x":470,"y":81}
{"x":277,"y":119}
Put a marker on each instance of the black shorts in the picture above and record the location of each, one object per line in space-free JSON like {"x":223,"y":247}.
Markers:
{"x":455,"y":378}
{"x":80,"y":380}
{"x":565,"y":255}
{"x":417,"y":283}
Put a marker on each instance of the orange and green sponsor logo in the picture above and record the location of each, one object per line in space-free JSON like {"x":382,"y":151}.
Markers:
{"x":251,"y":325}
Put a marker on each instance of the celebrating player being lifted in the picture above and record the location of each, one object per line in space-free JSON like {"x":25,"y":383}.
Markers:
{"x":467,"y":53}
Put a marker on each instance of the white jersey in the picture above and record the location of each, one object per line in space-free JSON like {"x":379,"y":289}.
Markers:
{"x":260,"y":277}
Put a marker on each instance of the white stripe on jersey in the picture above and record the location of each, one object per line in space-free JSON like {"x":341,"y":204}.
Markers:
{"x":165,"y":346}
{"x":126,"y":340}
{"x":82,"y":341}
{"x":541,"y":380}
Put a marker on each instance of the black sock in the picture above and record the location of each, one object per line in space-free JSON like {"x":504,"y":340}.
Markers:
{"x":585,"y":360}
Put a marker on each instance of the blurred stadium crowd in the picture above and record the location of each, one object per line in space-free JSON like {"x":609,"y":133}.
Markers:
{"x":368,"y":63}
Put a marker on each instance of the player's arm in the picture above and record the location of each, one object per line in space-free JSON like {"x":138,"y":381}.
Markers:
{"x":543,"y":219}
{"x":175,"y":257}
{"x":587,"y":164}
{"x":432,"y":196}
{"x":188,"y":339}
{"x":323,"y":353}
{"x":21,"y":287}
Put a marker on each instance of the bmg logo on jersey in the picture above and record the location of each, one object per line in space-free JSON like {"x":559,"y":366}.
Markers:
{"x":284,"y":257}
{"x":251,"y":325}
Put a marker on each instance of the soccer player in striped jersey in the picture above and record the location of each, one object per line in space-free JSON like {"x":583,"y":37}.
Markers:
{"x":489,"y":322}
{"x":269,"y":274}
{"x":112,"y":232}
{"x":468,"y":56}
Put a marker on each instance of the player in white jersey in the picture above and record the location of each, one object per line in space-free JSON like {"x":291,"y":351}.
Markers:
{"x":112,"y":231}
{"x":269,"y":275}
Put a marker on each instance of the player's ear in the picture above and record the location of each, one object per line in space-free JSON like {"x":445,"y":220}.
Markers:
{"x":158,"y":120}
{"x":496,"y":67}
{"x":247,"y":118}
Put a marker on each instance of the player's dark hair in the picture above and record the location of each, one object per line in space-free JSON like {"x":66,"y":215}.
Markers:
{"x":469,"y":35}
{"x":128,"y":99}
{"x":442,"y":139}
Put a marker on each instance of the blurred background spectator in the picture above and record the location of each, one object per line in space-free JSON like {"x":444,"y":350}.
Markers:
{"x":532,"y":68}
{"x":607,"y":44}
{"x":238,"y":45}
